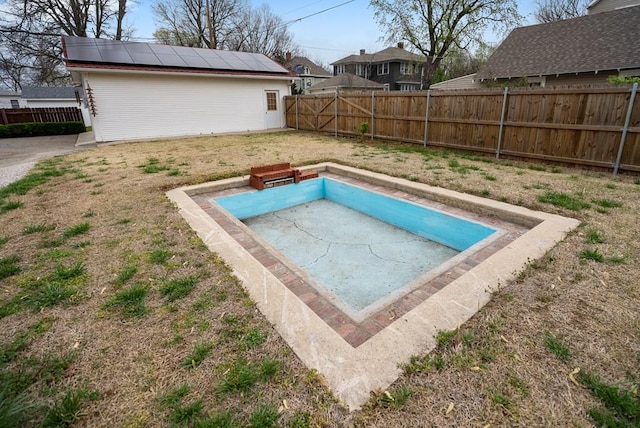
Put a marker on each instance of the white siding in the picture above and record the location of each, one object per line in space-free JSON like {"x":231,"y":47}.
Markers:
{"x":463,"y":82}
{"x":607,"y":5}
{"x":137,"y":106}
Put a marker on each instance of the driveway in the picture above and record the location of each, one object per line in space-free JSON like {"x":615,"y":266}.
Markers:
{"x":19,"y":155}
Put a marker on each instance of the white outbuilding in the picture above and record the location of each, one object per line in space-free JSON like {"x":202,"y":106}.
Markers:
{"x":144,"y":90}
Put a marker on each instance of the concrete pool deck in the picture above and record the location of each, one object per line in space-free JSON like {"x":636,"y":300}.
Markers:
{"x":357,"y":357}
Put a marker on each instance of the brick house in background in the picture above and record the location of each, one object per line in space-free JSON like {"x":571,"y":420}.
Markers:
{"x":309,"y":73}
{"x":394,"y":67}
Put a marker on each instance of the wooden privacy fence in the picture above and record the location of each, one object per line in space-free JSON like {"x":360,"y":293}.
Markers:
{"x":586,"y":126}
{"x":44,"y":114}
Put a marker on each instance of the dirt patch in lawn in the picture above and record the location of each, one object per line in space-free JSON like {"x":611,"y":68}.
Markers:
{"x":113,"y":296}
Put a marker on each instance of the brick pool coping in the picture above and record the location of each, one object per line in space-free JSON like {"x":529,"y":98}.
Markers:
{"x":355,"y":331}
{"x":358,"y":357}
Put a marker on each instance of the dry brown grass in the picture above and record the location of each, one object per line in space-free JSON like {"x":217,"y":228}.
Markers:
{"x":496,"y":370}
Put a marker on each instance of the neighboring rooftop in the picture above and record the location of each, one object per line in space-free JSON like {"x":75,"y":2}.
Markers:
{"x":86,"y":51}
{"x":49,"y":92}
{"x":346,"y":80}
{"x":295,"y":62}
{"x":590,"y":43}
{"x":386,"y":55}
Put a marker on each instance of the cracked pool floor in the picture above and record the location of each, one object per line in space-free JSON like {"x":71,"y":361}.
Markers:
{"x":357,"y":258}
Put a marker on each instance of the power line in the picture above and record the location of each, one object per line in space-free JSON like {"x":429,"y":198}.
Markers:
{"x":318,"y":13}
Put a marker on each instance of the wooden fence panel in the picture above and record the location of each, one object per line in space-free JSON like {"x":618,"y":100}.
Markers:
{"x":571,"y":125}
{"x":43,"y":114}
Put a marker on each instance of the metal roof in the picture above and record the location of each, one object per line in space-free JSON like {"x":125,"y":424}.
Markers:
{"x":111,"y":52}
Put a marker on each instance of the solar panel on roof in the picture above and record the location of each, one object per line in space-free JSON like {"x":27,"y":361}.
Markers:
{"x":82,"y":49}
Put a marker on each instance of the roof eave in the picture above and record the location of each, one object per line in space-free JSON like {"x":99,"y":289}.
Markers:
{"x":123,"y":69}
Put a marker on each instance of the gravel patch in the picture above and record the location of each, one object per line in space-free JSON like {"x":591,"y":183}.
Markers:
{"x":11,"y":173}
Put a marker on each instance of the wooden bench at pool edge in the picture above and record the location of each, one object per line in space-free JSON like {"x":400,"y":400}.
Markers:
{"x":278,"y":174}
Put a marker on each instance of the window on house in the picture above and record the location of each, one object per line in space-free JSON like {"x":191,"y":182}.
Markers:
{"x":340,"y":68}
{"x":408,"y":87}
{"x":15,"y":104}
{"x":272,"y":101}
{"x":383,"y":68}
{"x":359,"y":69}
{"x":406,"y":68}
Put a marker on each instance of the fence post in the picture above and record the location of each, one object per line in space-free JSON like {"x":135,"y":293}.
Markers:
{"x":373,"y":112}
{"x":5,"y":120}
{"x":335,"y":109}
{"x":634,"y":90}
{"x":297,"y":128}
{"x":426,"y":119}
{"x":504,"y":109}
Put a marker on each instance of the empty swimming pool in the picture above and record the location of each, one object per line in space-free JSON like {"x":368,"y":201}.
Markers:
{"x":361,"y":353}
{"x":359,"y":248}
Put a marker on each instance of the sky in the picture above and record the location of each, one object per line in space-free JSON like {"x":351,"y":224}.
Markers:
{"x":325,"y":37}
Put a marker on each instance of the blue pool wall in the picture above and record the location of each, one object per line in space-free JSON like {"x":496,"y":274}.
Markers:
{"x":440,"y":227}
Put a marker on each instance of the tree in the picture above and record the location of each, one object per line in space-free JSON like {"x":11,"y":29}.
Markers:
{"x":557,"y":10}
{"x":434,"y":27}
{"x":230,"y":24}
{"x":30,"y":48}
{"x":186,"y":22}
{"x":260,"y":30}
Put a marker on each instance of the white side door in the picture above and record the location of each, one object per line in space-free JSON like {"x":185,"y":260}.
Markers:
{"x":273,"y":110}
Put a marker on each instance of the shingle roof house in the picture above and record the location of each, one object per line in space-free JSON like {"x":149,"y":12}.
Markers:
{"x":309,"y":73}
{"x":345,"y":82}
{"x":395,"y":67}
{"x":582,"y":50}
{"x":145,"y":90}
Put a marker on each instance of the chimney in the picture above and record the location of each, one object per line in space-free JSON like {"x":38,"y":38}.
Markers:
{"x":361,"y":51}
{"x":401,"y":45}
{"x":288,"y":56}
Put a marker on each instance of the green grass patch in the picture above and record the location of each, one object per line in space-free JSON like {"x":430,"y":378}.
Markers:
{"x":594,"y":237}
{"x":537,"y":168}
{"x":153,"y":166}
{"x":50,"y":294}
{"x":37,"y":228}
{"x":254,"y":338}
{"x":556,"y":347}
{"x":445,"y":337}
{"x":130,"y":302}
{"x":243,"y":376}
{"x":173,"y":398}
{"x":28,"y":182}
{"x":3,"y":240}
{"x":9,"y":351}
{"x":489,"y":177}
{"x":63,"y":273}
{"x":160,"y":256}
{"x":178,"y":288}
{"x":9,"y":266}
{"x":564,"y":200}
{"x":123,"y":221}
{"x":621,"y":407}
{"x":607,"y":203}
{"x":197,"y":356}
{"x":266,"y":415}
{"x":5,"y":207}
{"x":65,"y":412}
{"x":126,"y":274}
{"x":76,"y":230}
{"x":589,"y":254}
